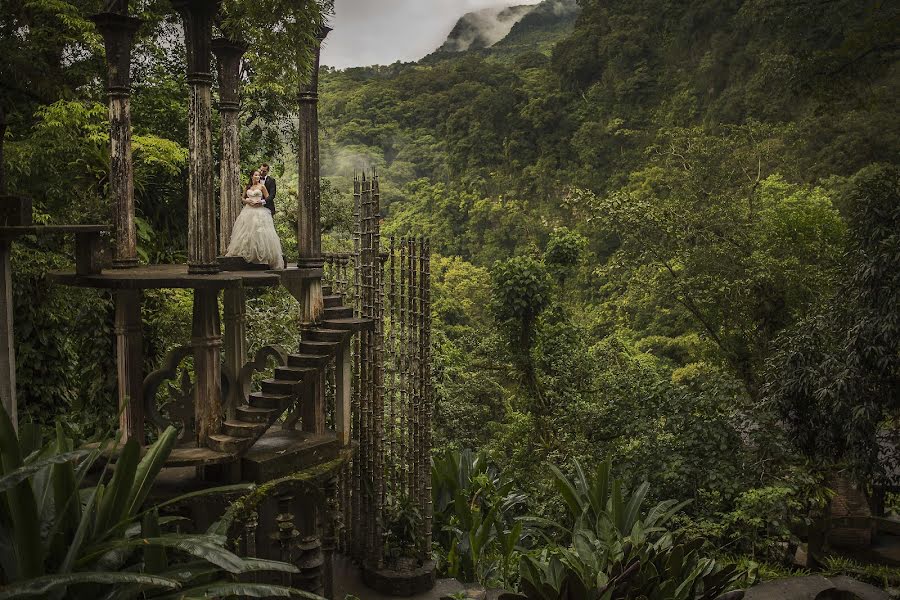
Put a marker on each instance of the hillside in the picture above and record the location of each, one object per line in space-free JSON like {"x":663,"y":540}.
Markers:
{"x":653,"y":132}
{"x":508,"y":32}
{"x":483,"y":28}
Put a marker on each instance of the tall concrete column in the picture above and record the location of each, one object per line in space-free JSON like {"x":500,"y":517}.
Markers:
{"x":198,"y":16}
{"x":118,"y":32}
{"x":130,"y":364}
{"x":228,"y":59}
{"x":118,"y":35}
{"x":309,"y":232}
{"x":206,"y":338}
{"x":206,"y":330}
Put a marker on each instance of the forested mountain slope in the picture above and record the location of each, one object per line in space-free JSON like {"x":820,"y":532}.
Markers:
{"x":673,"y":181}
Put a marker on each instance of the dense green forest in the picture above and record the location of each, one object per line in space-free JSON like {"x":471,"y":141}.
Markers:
{"x":663,"y":236}
{"x":665,"y":233}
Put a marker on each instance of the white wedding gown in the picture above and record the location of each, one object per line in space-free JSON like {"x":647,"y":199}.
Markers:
{"x":254,"y":237}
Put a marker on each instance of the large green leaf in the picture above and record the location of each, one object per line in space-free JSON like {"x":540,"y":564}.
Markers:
{"x":633,"y":507}
{"x":222,"y":489}
{"x":149,"y":468}
{"x":207,"y":547}
{"x":568,"y":492}
{"x":251,"y":590}
{"x":65,"y":499}
{"x":43,"y":585}
{"x":115,"y":499}
{"x":21,"y":504}
{"x":83,"y":526}
{"x":22,"y":473}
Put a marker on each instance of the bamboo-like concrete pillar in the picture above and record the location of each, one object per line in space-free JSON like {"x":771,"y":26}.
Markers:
{"x":343,"y":391}
{"x":309,"y":232}
{"x":118,"y":32}
{"x":206,"y":329}
{"x":228,"y":59}
{"x":206,"y":338}
{"x":118,"y":36}
{"x":198,"y":16}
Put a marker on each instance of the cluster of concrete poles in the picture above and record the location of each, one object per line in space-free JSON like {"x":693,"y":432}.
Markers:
{"x":118,"y":31}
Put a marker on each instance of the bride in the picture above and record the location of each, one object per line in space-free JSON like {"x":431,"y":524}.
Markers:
{"x":254,"y":237}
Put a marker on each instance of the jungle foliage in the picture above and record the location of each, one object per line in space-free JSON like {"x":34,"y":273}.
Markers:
{"x":664,"y":232}
{"x":657,"y":241}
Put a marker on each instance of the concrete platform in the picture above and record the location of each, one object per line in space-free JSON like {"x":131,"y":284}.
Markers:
{"x":348,"y":580}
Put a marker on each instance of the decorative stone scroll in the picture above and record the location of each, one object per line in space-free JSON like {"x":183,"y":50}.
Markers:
{"x":182,"y":395}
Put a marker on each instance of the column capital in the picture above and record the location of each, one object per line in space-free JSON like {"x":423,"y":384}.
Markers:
{"x":198,"y":20}
{"x":118,"y":33}
{"x":228,"y":59}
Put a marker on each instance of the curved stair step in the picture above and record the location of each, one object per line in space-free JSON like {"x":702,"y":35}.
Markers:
{"x":349,"y":324}
{"x":312,"y":347}
{"x":279,"y":386}
{"x":273,"y":401}
{"x":251,"y":414}
{"x":229,"y":444}
{"x":308,"y":360}
{"x":332,"y":301}
{"x":295,"y":374}
{"x":324,"y":335}
{"x":338,"y":312}
{"x":244,"y":429}
{"x":326,"y":290}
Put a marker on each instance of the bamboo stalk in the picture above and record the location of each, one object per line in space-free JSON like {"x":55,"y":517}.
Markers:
{"x":378,"y":371}
{"x":404,"y":349}
{"x":392,"y":368}
{"x":413,"y":397}
{"x":429,"y":400}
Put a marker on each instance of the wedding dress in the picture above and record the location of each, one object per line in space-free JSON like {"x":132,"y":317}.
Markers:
{"x":254,"y":237}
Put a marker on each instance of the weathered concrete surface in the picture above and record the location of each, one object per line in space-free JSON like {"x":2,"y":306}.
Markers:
{"x":815,"y":587}
{"x":862,"y":591}
{"x":348,"y":580}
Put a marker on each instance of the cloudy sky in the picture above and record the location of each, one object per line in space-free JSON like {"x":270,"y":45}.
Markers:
{"x":368,"y":32}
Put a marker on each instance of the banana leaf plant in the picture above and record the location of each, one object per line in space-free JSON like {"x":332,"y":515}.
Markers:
{"x":61,"y":537}
{"x":618,"y":551}
{"x":475,"y":517}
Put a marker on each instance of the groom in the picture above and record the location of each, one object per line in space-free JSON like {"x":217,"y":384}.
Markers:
{"x":271,"y":187}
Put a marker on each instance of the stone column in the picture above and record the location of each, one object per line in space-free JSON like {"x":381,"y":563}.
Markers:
{"x":235,"y":313}
{"x":118,"y":32}
{"x":198,"y":17}
{"x":118,"y":35}
{"x":228,"y":58}
{"x":206,"y":339}
{"x":329,"y":534}
{"x":309,"y":233}
{"x":343,"y":373}
{"x":130,"y":364}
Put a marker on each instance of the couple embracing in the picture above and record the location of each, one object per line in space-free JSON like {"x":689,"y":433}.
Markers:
{"x":254,"y":237}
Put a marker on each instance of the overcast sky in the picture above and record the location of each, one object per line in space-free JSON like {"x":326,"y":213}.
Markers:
{"x":368,"y":32}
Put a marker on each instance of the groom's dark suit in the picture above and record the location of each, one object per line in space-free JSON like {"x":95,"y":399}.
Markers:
{"x":271,"y":187}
